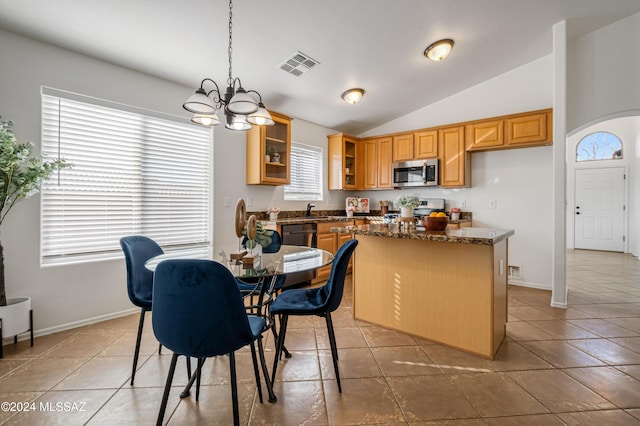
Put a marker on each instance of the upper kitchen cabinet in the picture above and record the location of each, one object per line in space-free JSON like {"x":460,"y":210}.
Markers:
{"x":403,"y":147}
{"x":483,"y":135}
{"x":425,"y":144}
{"x":530,"y":129}
{"x":345,"y":155}
{"x":377,"y":155}
{"x":511,"y":131}
{"x":269,"y":152}
{"x":455,"y":162}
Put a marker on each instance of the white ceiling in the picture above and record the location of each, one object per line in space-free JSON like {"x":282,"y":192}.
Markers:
{"x":373,"y":44}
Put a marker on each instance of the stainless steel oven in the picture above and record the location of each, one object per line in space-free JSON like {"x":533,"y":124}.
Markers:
{"x":415,"y":173}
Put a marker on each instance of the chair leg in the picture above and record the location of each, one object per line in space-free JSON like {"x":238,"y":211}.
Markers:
{"x":279,"y":346}
{"x":143,"y":311}
{"x":198,"y":376}
{"x":188,"y":367}
{"x":167,"y":388}
{"x":234,"y":388}
{"x":334,"y":348}
{"x":256,"y":371}
{"x":159,"y":348}
{"x":263,"y":362}
{"x":275,"y":336}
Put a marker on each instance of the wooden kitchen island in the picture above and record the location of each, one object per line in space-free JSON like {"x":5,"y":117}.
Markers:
{"x":449,"y":287}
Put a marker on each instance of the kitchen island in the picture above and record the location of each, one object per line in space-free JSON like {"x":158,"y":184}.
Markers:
{"x":449,"y":286}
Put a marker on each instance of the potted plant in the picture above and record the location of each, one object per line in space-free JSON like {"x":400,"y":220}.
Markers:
{"x":263,"y":236}
{"x":407,"y":203}
{"x":273,"y":213}
{"x":20,"y":177}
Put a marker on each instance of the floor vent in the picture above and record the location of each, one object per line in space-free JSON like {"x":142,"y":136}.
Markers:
{"x":514,"y":272}
{"x":298,"y":64}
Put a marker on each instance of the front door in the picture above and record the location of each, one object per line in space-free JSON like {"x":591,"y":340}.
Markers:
{"x":599,"y":209}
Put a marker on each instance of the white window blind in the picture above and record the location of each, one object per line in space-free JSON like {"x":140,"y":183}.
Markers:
{"x":305,"y":174}
{"x":132,"y":174}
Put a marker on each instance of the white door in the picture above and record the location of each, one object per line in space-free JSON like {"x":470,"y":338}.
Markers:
{"x":599,"y":209}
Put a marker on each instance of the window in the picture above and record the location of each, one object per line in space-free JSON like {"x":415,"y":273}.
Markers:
{"x":134,"y":172}
{"x":599,"y":146}
{"x":305,"y":174}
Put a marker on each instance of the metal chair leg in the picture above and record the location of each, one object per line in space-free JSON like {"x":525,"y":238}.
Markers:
{"x":287,"y":354}
{"x":167,"y":388}
{"x":279,"y":346}
{"x":256,"y":371}
{"x":263,"y":362}
{"x":234,"y":388}
{"x":143,"y":311}
{"x":334,"y":349}
{"x":198,"y":377}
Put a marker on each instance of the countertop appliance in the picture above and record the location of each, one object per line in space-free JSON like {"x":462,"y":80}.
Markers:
{"x":415,"y":173}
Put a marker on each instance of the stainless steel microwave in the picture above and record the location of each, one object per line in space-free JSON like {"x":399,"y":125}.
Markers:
{"x":415,"y":173}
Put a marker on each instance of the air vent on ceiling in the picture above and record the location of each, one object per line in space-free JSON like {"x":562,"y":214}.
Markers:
{"x":298,"y":64}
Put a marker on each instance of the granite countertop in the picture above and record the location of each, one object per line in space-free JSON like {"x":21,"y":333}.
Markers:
{"x":320,"y":219}
{"x":480,"y":236}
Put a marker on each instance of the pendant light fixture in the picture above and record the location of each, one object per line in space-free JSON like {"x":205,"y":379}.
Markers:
{"x":353,"y":96}
{"x":238,"y":105}
{"x":439,"y":50}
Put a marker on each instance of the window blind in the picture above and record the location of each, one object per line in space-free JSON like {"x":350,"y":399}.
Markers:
{"x":305,"y":173}
{"x":132,"y":174}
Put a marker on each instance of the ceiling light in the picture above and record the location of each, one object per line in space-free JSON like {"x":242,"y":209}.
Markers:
{"x":439,"y":50}
{"x":236,"y":102}
{"x":353,"y":96}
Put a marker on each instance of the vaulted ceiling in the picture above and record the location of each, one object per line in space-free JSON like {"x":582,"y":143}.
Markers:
{"x":373,"y":44}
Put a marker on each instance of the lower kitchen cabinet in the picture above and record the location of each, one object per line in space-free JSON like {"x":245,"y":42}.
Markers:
{"x":331,"y":242}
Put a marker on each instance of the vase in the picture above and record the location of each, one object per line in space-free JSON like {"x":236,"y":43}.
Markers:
{"x":273,"y":217}
{"x":349,"y":213}
{"x":15,"y":316}
{"x":406,"y":211}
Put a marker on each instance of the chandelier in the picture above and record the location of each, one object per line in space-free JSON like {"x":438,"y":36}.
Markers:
{"x":240,"y":108}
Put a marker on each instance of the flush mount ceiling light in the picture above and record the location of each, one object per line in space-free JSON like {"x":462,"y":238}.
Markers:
{"x":439,"y":50}
{"x":240,"y":108}
{"x":353,"y":96}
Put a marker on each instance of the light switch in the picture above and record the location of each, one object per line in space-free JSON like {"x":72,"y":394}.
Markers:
{"x":492,"y":204}
{"x":227,"y":201}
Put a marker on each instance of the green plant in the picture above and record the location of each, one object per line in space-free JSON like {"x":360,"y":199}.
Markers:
{"x":20,"y":177}
{"x":407,"y":201}
{"x":271,"y":150}
{"x":263,"y":236}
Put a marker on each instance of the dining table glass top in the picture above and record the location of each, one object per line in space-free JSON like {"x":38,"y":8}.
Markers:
{"x":287,"y":260}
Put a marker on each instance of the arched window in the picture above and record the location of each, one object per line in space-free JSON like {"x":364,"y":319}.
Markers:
{"x":599,"y":146}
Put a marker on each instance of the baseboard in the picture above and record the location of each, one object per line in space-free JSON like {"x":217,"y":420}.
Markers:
{"x":72,"y":325}
{"x":530,"y":285}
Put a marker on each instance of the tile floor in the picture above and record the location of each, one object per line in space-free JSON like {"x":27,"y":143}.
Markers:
{"x":579,"y":366}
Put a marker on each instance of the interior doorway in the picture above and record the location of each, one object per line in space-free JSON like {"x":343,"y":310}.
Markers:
{"x":599,"y":209}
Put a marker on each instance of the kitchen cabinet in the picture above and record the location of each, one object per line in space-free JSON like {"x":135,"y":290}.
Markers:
{"x":377,"y":163}
{"x":455,"y":161}
{"x":370,"y":149}
{"x":487,"y":134}
{"x":385,"y":155}
{"x":331,"y":242}
{"x":263,"y":140}
{"x":425,"y":144}
{"x":403,"y":147}
{"x":530,"y":129}
{"x":345,"y":155}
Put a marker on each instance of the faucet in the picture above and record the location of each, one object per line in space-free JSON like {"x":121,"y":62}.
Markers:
{"x":309,"y":206}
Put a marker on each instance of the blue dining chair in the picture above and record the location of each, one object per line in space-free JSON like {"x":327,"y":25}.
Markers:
{"x":137,"y":250}
{"x":319,"y":301}
{"x":198,"y":312}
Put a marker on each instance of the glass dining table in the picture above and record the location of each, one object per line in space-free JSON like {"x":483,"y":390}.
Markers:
{"x":262,"y":275}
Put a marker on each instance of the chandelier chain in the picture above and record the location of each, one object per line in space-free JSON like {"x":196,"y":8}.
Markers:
{"x":230,"y":80}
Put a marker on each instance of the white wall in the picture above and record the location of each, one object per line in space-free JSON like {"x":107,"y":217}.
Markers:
{"x":520,"y":180}
{"x":64,"y":295}
{"x":604,"y":73}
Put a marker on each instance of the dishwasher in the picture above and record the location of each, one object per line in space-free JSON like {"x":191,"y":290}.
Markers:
{"x":303,"y":234}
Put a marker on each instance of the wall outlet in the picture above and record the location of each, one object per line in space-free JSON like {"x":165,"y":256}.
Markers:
{"x":493,"y":204}
{"x":463,"y":204}
{"x":227,"y":201}
{"x":249,"y":201}
{"x":514,"y":272}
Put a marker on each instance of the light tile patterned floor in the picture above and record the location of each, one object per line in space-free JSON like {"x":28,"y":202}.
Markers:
{"x":579,"y":366}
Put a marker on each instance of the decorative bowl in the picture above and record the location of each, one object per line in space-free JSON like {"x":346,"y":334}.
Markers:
{"x":434,"y":223}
